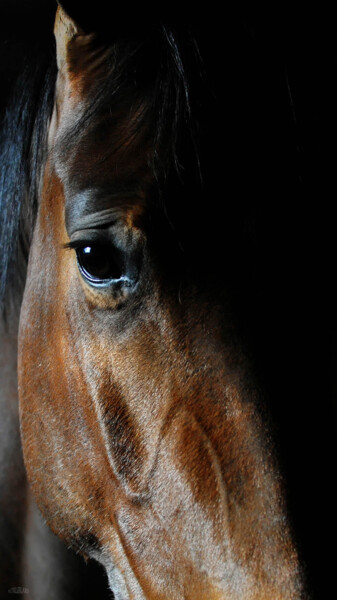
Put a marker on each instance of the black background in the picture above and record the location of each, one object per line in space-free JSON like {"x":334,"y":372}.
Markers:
{"x":277,"y":70}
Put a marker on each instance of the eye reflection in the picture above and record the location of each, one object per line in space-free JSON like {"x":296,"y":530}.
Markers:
{"x":99,"y":263}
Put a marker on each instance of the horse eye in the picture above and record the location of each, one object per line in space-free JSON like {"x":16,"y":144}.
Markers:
{"x":99,"y":263}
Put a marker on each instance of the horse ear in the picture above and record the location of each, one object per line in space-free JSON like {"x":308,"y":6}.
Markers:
{"x":82,"y":13}
{"x":65,"y":30}
{"x":106,"y":18}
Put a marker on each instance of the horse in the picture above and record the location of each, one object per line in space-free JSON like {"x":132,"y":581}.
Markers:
{"x":144,"y":440}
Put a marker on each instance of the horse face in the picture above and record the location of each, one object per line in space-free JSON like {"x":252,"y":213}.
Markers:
{"x":140,"y":436}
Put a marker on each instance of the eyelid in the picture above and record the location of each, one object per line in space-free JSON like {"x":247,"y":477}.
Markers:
{"x":101,"y":219}
{"x":88,"y":237}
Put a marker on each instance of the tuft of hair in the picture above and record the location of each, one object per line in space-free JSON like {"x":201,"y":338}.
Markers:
{"x":154,"y":81}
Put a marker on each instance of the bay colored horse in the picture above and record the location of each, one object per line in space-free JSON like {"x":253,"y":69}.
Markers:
{"x":141,"y":426}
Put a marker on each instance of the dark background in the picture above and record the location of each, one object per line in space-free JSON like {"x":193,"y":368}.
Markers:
{"x":275,"y":74}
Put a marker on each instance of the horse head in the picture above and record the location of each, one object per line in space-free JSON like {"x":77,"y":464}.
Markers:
{"x":142,"y":439}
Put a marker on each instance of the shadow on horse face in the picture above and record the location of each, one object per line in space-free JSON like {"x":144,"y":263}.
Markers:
{"x":141,"y":438}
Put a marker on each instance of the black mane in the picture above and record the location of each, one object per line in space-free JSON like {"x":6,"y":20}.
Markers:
{"x":22,"y":144}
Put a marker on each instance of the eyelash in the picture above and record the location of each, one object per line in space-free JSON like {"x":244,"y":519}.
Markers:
{"x":76,"y":244}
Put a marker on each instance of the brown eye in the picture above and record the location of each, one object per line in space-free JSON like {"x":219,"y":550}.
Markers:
{"x":99,"y":263}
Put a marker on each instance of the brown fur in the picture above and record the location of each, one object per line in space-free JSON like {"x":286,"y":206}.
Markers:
{"x":141,"y":438}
